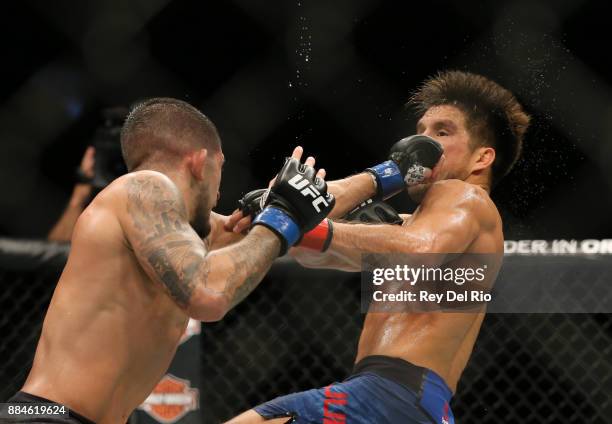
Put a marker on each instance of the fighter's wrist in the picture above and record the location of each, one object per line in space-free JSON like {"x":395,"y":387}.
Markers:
{"x":319,"y":238}
{"x":282,"y":224}
{"x":389,"y":179}
{"x":264,"y":231}
{"x":374,"y":181}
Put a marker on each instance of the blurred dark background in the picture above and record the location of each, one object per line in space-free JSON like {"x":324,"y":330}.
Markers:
{"x":332,"y":76}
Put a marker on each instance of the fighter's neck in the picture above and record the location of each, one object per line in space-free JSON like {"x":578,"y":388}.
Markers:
{"x":482,"y":181}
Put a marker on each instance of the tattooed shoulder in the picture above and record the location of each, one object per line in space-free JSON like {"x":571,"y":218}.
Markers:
{"x":153,"y":199}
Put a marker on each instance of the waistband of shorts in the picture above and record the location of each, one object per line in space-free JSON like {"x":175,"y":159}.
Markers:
{"x":402,"y":372}
{"x":30,"y":398}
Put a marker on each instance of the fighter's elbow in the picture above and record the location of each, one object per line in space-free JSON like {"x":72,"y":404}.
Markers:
{"x":208,"y":306}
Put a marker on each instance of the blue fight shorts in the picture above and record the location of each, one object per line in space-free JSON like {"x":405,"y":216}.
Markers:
{"x":381,"y":390}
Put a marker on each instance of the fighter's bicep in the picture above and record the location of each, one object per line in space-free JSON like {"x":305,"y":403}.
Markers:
{"x":156,"y":227}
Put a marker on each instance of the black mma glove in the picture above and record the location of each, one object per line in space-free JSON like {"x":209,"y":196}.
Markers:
{"x":407,"y":162}
{"x":295,"y":204}
{"x":374,"y":212}
{"x":252,"y":202}
{"x":317,"y":239}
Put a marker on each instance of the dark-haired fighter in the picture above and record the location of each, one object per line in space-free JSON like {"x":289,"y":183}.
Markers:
{"x":139,"y":267}
{"x":408,"y":364}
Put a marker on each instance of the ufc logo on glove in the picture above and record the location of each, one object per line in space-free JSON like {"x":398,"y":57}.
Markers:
{"x":307,"y":189}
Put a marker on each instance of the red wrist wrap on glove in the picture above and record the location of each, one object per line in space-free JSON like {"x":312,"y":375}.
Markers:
{"x":319,"y":238}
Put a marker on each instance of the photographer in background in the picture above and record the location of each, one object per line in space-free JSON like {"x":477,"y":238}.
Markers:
{"x":101,"y":164}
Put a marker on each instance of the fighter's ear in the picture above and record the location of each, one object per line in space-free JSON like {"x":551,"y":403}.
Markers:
{"x":483,"y":158}
{"x":197,"y":162}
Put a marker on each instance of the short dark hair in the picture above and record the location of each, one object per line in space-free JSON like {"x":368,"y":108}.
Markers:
{"x":161,"y":127}
{"x":493,"y":115}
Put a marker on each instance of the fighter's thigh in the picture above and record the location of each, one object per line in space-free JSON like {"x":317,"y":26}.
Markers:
{"x":252,"y":417}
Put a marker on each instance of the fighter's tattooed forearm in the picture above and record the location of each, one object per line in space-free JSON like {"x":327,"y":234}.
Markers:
{"x":250,"y":265}
{"x":180,"y":260}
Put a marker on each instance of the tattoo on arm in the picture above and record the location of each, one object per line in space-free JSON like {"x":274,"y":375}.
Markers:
{"x":179,"y":259}
{"x":165,"y":240}
{"x":252,"y":262}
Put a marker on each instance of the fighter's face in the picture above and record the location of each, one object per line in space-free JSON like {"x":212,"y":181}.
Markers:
{"x":447,"y":125}
{"x":208,"y":193}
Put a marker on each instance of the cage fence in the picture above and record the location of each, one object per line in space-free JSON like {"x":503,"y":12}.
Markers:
{"x":300,"y":328}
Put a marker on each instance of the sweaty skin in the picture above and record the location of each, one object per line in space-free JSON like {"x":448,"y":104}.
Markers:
{"x":454,"y":217}
{"x":136,"y":273}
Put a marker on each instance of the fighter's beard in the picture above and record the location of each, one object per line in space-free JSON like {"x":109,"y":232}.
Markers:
{"x":201,"y":218}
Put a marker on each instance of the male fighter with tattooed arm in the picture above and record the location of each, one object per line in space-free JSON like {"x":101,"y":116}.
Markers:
{"x":408,"y":364}
{"x":139,"y":268}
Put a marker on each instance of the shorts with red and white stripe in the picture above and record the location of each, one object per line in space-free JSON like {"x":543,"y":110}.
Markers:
{"x":361,"y":399}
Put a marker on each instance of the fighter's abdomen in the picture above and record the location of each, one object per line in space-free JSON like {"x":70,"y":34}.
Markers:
{"x":432,"y":340}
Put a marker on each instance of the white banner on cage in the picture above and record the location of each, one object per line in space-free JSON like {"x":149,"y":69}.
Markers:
{"x":558,"y":247}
